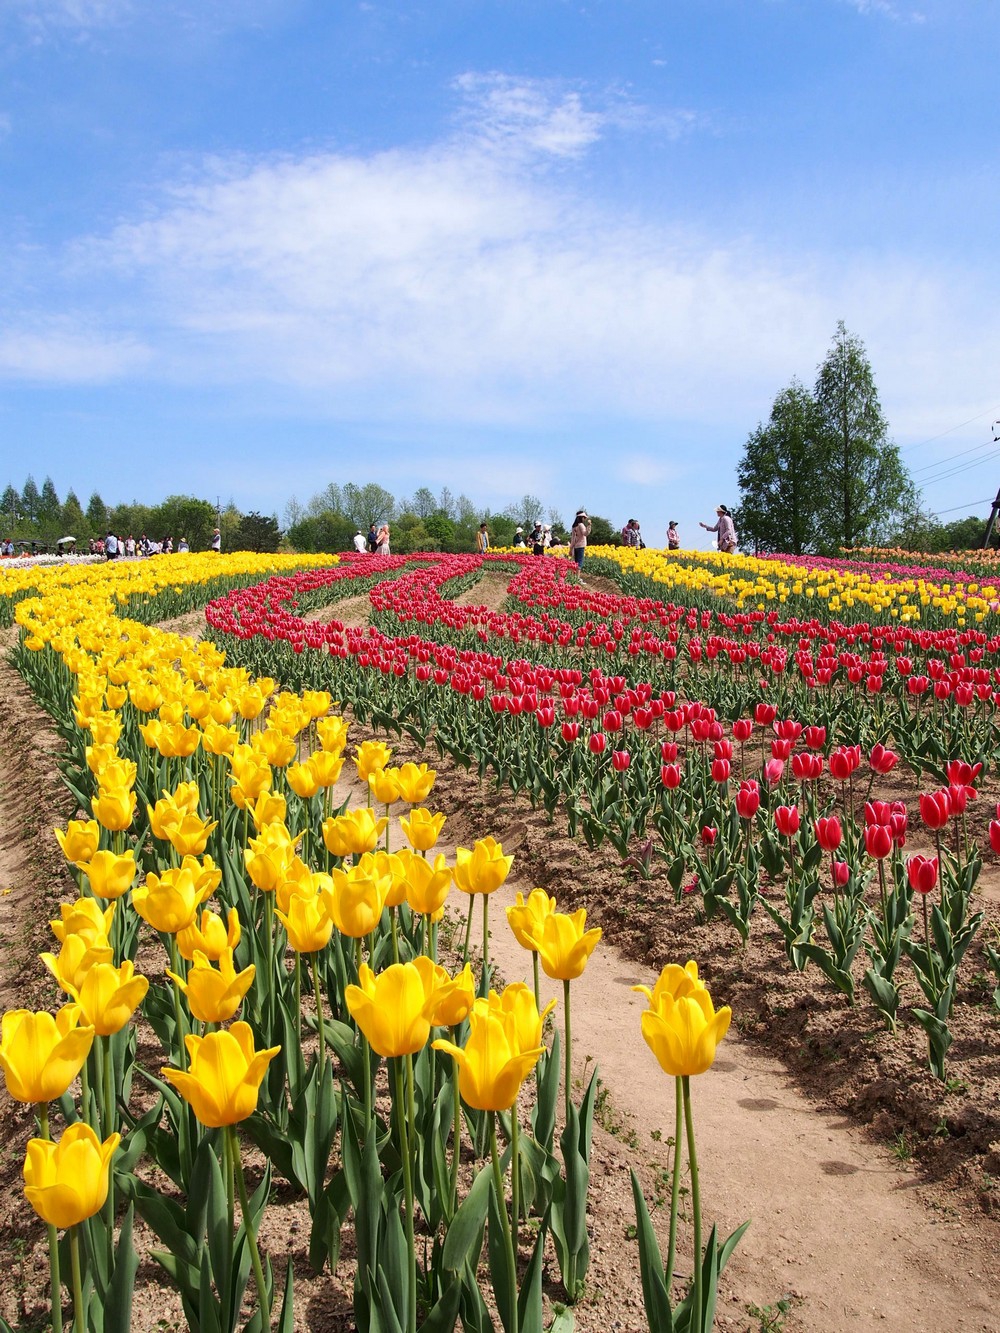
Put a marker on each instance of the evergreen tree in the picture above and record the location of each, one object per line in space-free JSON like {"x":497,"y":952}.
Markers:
{"x":779,"y":499}
{"x":30,"y":500}
{"x":73,"y":521}
{"x":861,"y":482}
{"x":49,"y":509}
{"x":10,"y":509}
{"x":257,"y":532}
{"x":97,"y":514}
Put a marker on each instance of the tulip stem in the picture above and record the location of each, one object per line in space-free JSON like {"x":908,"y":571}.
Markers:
{"x":567,"y":1027}
{"x":318,"y":995}
{"x":505,"y":1225}
{"x":456,"y":1133}
{"x":79,"y":1314}
{"x":404,"y":1110}
{"x":486,"y":936}
{"x":241,"y":1185}
{"x":675,"y":1183}
{"x":515,"y":1176}
{"x":695,"y":1204}
{"x":468,"y":930}
{"x":55,"y":1278}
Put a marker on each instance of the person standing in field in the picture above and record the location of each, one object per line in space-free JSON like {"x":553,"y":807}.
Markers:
{"x":382,"y":540}
{"x":726,"y":529}
{"x":578,"y":537}
{"x":673,"y":536}
{"x":360,"y":545}
{"x":216,"y":541}
{"x":483,"y":539}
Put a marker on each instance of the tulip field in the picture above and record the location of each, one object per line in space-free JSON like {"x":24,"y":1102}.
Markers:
{"x":773,"y":783}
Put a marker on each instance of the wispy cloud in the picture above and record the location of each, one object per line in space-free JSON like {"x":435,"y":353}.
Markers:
{"x":67,"y":353}
{"x":888,"y":9}
{"x":465,"y":283}
{"x":80,"y":14}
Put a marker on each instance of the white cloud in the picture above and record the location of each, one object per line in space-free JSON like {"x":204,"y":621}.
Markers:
{"x":68,"y":355}
{"x":887,"y":9}
{"x":80,"y":14}
{"x":510,"y":113}
{"x":465,"y":284}
{"x":645,"y":470}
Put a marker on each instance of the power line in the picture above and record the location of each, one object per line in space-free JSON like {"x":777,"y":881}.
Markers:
{"x":971,"y":504}
{"x":942,"y":462}
{"x":951,"y":429}
{"x":963,"y":467}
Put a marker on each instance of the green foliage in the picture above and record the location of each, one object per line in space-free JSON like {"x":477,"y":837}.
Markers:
{"x":861,"y":483}
{"x":779,"y":500}
{"x":257,"y":532}
{"x":601,"y":532}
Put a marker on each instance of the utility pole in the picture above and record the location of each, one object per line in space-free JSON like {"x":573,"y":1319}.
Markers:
{"x":991,"y":522}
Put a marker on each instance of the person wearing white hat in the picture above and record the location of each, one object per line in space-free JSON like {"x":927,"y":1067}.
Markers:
{"x":519,"y":536}
{"x":360,"y":545}
{"x":578,"y":537}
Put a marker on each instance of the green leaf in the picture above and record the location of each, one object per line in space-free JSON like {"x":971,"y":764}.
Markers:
{"x":464,"y":1240}
{"x":655,"y":1296}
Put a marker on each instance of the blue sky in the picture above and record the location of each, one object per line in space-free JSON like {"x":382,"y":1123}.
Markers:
{"x":251,"y":247}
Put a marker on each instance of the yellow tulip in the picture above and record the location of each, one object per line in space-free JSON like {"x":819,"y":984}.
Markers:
{"x":386,"y":863}
{"x":218,"y":739}
{"x":275,"y":746}
{"x":422,"y":829}
{"x":353,"y":833}
{"x":41,"y":1055}
{"x":224,"y":1077}
{"x":268,"y":856}
{"x":307,"y":921}
{"x":98,"y":756}
{"x":106,"y":728}
{"x":452,"y":998}
{"x":210,"y":936}
{"x":169,"y":902}
{"x":109,"y":996}
{"x":67,"y":1182}
{"x":214,"y":995}
{"x":369,"y":756}
{"x":80,"y":840}
{"x":332,"y":733}
{"x":146,"y":697}
{"x":316,"y":702}
{"x":75,"y":959}
{"x":250,"y":702}
{"x":109,"y":875}
{"x":525,"y":917}
{"x":302,"y":780}
{"x":673,"y":980}
{"x":415,"y":782}
{"x":683,"y":1033}
{"x":391,"y":1008}
{"x":495,"y":1061}
{"x":190,"y":836}
{"x":356,"y":900}
{"x":84,"y":917}
{"x":268,"y":808}
{"x":483,"y":869}
{"x":383,"y":785}
{"x":326,"y":767}
{"x":563,"y":946}
{"x":177,"y":741}
{"x":427,"y":884}
{"x":114,"y":810}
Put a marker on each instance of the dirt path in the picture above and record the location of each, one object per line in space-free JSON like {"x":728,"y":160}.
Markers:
{"x":837,"y":1224}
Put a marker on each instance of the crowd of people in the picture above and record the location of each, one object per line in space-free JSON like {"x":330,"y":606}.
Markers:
{"x":112,"y":546}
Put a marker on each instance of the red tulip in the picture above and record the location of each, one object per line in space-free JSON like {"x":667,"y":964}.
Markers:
{"x":720,"y":770}
{"x":829,"y":834}
{"x":935,"y":808}
{"x":878,"y":812}
{"x":815,"y":737}
{"x":773,"y":770}
{"x":841,"y":872}
{"x":786,"y":820}
{"x":742,"y":729}
{"x":922,"y":872}
{"x":878,"y":840}
{"x":781,"y":749}
{"x":764,"y":714}
{"x":570,"y":731}
{"x":883,"y":760}
{"x":709,"y":835}
{"x":748,"y":800}
{"x":670,"y":776}
{"x":620,"y":760}
{"x":668,"y":751}
{"x":995,"y":835}
{"x":807,"y":767}
{"x":598,"y":742}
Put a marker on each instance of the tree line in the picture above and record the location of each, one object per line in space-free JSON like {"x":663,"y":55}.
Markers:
{"x":822,"y":474}
{"x":40,"y":517}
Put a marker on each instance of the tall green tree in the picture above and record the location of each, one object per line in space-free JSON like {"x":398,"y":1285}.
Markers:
{"x":49,"y":509}
{"x":97,"y":514}
{"x":257,"y":532}
{"x":30,"y":500}
{"x":10,"y":509}
{"x":73,"y":520}
{"x":862,"y":483}
{"x":423,"y":503}
{"x":365,"y":505}
{"x":779,"y":505}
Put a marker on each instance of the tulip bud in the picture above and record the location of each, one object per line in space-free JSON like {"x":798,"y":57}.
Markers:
{"x":878,"y":840}
{"x":922,"y":873}
{"x":747,"y":800}
{"x":709,"y":835}
{"x":935,"y":808}
{"x":670,"y":776}
{"x":786,"y":820}
{"x":841,"y":872}
{"x":620,"y":760}
{"x":598,"y":742}
{"x":829,"y":834}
